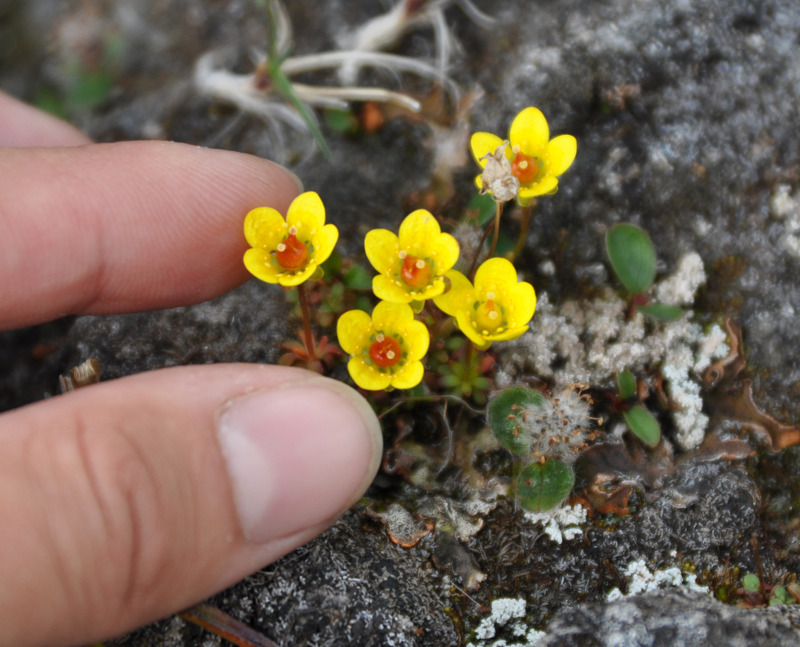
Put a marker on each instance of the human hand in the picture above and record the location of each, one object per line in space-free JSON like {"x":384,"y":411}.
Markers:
{"x":138,"y":497}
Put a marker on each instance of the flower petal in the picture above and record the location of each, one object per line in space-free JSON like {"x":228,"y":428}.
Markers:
{"x":259,"y":263}
{"x":522,"y":304}
{"x":560,"y":153}
{"x":445,"y":253}
{"x":548,"y":184}
{"x":419,"y":232}
{"x":264,"y":227}
{"x":367,"y":376}
{"x":530,"y":132}
{"x":353,"y":331}
{"x":417,"y":341}
{"x":382,"y":248}
{"x":307,"y":213}
{"x":408,"y":376}
{"x":465,"y":325}
{"x":457,"y":297}
{"x":511,"y":333}
{"x":494,"y":275}
{"x":290,"y":279}
{"x":392,"y":317}
{"x":388,"y":289}
{"x":324,"y":241}
{"x":482,"y":144}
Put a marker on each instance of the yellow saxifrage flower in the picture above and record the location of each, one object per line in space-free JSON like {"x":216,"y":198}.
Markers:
{"x":536,"y":160}
{"x":385,"y":349}
{"x":411,"y":264}
{"x":288,"y":251}
{"x":496,"y":308}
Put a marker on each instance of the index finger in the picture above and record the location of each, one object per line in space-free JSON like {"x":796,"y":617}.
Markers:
{"x":124,"y":227}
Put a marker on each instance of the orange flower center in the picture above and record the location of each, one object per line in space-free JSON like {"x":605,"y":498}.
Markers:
{"x":291,"y":253}
{"x":384,"y":351}
{"x":524,"y":167}
{"x":488,"y":315}
{"x":415,"y":272}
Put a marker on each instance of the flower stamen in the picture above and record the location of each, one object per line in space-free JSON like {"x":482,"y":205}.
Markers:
{"x":291,"y":253}
{"x":385,"y":351}
{"x":415,"y":272}
{"x":524,"y":167}
{"x":488,"y":316}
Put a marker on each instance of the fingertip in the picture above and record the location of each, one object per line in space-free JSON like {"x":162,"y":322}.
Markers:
{"x":24,"y":125}
{"x":126,"y":226}
{"x":298,"y":455}
{"x":148,"y":476}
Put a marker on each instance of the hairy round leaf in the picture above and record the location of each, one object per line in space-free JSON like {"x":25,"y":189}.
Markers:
{"x":506,"y":412}
{"x":632,"y":256}
{"x":541,"y":486}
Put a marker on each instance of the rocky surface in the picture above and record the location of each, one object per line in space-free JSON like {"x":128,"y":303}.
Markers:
{"x":686,"y":117}
{"x":668,"y":618}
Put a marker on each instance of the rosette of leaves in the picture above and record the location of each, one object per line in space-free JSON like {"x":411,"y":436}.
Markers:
{"x":544,"y":483}
{"x":633,"y":259}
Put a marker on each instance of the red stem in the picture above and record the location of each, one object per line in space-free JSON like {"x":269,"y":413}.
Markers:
{"x":305,"y":309}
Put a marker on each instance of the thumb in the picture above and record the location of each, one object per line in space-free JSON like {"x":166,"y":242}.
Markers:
{"x":138,"y":497}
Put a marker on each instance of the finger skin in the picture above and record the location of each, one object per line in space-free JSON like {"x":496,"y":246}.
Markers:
{"x":23,"y":125}
{"x":117,"y":507}
{"x":125,"y":227}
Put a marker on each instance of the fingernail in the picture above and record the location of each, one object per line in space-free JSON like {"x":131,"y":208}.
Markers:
{"x":298,"y":455}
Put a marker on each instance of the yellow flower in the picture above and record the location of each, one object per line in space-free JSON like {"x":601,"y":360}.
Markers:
{"x":385,"y":349}
{"x":496,"y":308}
{"x":536,"y":160}
{"x":412,"y":264}
{"x":288,"y":251}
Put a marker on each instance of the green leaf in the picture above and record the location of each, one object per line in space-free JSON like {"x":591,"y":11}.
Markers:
{"x":89,"y":89}
{"x":780,"y":596}
{"x":627,"y":384}
{"x":283,"y":86}
{"x":643,"y":424}
{"x":750,"y":582}
{"x":632,"y":256}
{"x":661,"y":312}
{"x":364,"y":303}
{"x":358,"y":278}
{"x":506,"y":417}
{"x":51,"y":102}
{"x":484,"y":206}
{"x":343,"y":122}
{"x":541,"y":486}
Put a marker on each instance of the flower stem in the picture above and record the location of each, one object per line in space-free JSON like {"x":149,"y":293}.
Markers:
{"x":305,"y":309}
{"x":497,"y":214}
{"x":473,"y":266}
{"x":527,"y":211}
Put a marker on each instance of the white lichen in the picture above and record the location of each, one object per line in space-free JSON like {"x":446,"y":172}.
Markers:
{"x":591,"y":342}
{"x":560,"y":524}
{"x":680,"y":288}
{"x":642,"y":580}
{"x":503,"y":611}
{"x":786,"y":207}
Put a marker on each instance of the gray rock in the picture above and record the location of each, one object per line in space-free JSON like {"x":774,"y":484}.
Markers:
{"x":668,"y":619}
